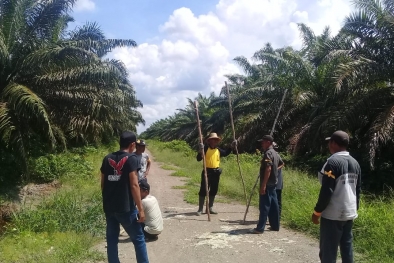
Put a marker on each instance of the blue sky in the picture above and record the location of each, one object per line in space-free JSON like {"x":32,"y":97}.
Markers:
{"x":135,"y":19}
{"x":186,"y":47}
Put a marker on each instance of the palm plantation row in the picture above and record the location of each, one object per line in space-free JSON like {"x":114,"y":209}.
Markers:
{"x":332,"y":82}
{"x":57,"y":87}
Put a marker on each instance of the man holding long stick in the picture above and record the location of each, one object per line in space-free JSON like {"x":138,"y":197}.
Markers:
{"x":212,"y":158}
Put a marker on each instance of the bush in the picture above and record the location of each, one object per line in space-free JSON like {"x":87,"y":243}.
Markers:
{"x":50,"y":167}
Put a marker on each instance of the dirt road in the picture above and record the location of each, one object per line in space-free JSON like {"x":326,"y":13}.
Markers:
{"x":188,"y":238}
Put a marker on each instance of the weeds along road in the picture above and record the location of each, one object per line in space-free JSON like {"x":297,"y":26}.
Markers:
{"x":188,"y":238}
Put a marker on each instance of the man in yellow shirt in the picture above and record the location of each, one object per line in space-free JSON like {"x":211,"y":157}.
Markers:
{"x":212,"y":158}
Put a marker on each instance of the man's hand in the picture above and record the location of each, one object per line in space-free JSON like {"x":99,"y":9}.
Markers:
{"x":141,"y":216}
{"x":315,"y":219}
{"x":263,"y":189}
{"x":201,"y":146}
{"x":234,"y":144}
{"x":146,"y":173}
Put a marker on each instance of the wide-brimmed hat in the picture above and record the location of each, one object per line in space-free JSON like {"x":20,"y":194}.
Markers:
{"x":213,"y":135}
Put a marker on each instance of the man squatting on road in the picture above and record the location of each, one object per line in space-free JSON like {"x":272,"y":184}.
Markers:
{"x":212,"y":158}
{"x":153,"y":224}
{"x":339,"y":200}
{"x":268,"y":202}
{"x":121,"y":198}
{"x":144,"y":160}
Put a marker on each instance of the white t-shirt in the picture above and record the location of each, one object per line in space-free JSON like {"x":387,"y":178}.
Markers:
{"x":144,"y":164}
{"x":153,"y":219}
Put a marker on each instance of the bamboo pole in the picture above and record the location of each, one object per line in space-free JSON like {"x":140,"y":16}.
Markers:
{"x":271,"y":133}
{"x":203,"y":159}
{"x":234,"y":139}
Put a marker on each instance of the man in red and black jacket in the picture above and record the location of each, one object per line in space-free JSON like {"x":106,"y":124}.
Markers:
{"x":121,"y":198}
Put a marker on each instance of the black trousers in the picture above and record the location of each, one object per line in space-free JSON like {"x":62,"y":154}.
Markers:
{"x":334,"y":234}
{"x":213,"y":182}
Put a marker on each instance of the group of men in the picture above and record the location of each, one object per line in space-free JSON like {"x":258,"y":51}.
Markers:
{"x":338,"y":201}
{"x":126,"y":199}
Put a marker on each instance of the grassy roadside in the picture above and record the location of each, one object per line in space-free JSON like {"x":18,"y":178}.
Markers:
{"x":63,"y":226}
{"x":373,"y":231}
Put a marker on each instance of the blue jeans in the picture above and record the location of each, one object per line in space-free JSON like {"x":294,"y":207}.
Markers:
{"x":334,"y":234}
{"x":129,"y":222}
{"x":269,"y":207}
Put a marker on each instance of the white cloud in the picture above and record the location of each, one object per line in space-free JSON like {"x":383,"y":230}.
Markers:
{"x":195,"y":52}
{"x":84,"y":5}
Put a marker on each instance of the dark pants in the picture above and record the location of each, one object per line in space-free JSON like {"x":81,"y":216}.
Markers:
{"x":133,"y":229}
{"x":279,"y":197}
{"x":268,"y":206}
{"x":213,"y":182}
{"x":334,"y":234}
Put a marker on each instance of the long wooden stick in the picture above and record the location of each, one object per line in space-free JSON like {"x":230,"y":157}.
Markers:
{"x":234,"y":139}
{"x":203,"y":160}
{"x":271,"y":133}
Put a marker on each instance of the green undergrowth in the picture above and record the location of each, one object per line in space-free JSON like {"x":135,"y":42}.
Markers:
{"x":63,"y":226}
{"x":373,"y":231}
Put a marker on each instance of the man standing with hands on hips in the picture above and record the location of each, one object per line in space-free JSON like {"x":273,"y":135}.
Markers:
{"x":268,"y":203}
{"x":339,"y":200}
{"x":121,"y":198}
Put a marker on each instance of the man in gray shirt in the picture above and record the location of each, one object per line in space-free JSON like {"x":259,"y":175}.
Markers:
{"x":338,"y":201}
{"x":144,"y":160}
{"x":268,"y":202}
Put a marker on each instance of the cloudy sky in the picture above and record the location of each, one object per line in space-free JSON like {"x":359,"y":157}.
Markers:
{"x":187,"y":46}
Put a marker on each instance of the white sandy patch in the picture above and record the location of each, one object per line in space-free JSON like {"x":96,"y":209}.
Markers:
{"x":217,"y":240}
{"x":286,"y":240}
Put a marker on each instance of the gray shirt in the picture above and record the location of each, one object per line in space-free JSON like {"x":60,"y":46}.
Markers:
{"x":144,"y":163}
{"x":270,"y":158}
{"x":339,"y":195}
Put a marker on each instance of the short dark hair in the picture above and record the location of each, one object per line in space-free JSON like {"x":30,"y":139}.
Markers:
{"x":144,"y":185}
{"x":126,"y":138}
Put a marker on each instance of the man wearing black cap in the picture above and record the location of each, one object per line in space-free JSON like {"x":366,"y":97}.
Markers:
{"x":338,"y":202}
{"x":121,"y":195}
{"x":268,"y":202}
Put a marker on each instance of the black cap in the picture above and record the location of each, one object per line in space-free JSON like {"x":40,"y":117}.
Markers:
{"x":141,"y":143}
{"x":126,"y":138}
{"x":340,"y":137}
{"x":144,"y":185}
{"x":267,"y":138}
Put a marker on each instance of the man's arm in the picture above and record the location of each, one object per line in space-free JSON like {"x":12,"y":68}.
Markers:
{"x":326,"y":191}
{"x":102,"y":181}
{"x":224,"y":153}
{"x":267,"y":159}
{"x":267,"y":173}
{"x":281,"y":163}
{"x":358,"y":188}
{"x":135,"y":192}
{"x":201,"y":148}
{"x":147,"y":166}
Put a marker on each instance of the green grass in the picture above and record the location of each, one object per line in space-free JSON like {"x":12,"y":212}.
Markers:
{"x":373,"y":230}
{"x":169,"y":167}
{"x":64,"y":226}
